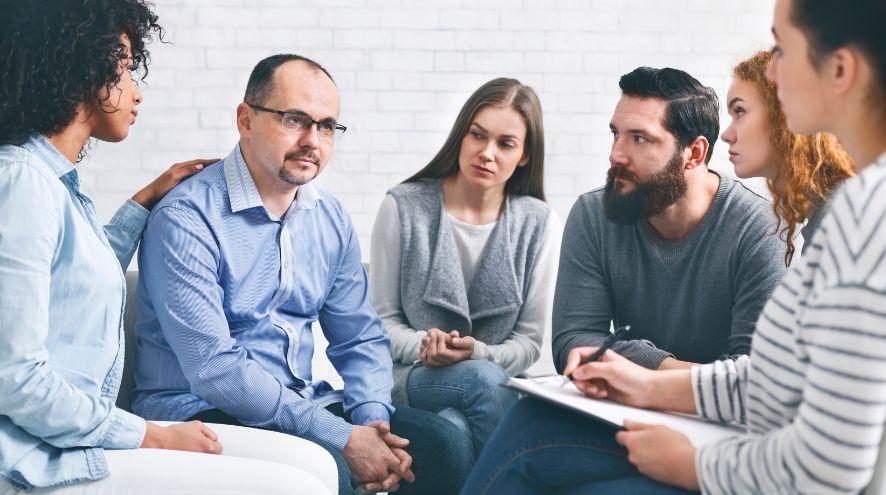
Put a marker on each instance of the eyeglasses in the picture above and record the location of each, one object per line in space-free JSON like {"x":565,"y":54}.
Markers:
{"x":300,"y":122}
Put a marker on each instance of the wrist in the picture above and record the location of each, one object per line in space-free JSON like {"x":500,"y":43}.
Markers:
{"x":145,"y":198}
{"x":154,"y":436}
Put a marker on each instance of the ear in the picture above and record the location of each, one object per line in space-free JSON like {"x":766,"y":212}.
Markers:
{"x":523,"y":161}
{"x":698,"y":151}
{"x":244,"y":119}
{"x":843,"y":69}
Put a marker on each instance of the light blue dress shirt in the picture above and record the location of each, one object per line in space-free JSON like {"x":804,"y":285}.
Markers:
{"x":61,"y":321}
{"x":226,"y":297}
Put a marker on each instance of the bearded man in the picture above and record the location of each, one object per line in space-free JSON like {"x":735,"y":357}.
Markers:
{"x":684,"y":255}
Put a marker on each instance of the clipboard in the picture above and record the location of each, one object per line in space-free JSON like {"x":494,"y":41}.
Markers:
{"x":699,"y":431}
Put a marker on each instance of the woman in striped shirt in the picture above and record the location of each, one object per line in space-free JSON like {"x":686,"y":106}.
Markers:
{"x":813,"y":392}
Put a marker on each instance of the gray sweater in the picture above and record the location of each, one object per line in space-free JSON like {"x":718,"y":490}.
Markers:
{"x":433,"y":291}
{"x":696,"y":299}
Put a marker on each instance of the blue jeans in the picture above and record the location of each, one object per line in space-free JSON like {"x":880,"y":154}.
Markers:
{"x":472,"y":388}
{"x":542,"y":448}
{"x":441,"y":455}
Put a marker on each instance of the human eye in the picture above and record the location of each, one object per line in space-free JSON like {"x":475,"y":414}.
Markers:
{"x":640,"y":139}
{"x":507,"y":145}
{"x":296,"y":121}
{"x":326,"y":128}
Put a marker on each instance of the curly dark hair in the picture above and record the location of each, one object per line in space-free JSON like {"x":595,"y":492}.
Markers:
{"x":59,"y":54}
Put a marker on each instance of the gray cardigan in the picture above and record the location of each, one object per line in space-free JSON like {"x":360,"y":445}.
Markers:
{"x":432,"y":287}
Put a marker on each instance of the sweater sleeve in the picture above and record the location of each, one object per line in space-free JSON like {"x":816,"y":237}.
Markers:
{"x":519,"y":351}
{"x":384,"y":283}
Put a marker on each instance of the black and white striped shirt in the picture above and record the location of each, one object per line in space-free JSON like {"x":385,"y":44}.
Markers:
{"x":813,"y":395}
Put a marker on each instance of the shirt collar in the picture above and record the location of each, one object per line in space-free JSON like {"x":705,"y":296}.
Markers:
{"x":49,"y":155}
{"x":244,"y":195}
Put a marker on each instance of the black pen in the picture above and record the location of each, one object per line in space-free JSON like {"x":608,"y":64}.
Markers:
{"x":617,"y":335}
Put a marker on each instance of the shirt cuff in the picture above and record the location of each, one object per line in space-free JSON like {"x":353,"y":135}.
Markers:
{"x":481,"y":350}
{"x":131,"y":217}
{"x":330,"y":429}
{"x":650,"y":356}
{"x":370,"y":411}
{"x":127,"y":431}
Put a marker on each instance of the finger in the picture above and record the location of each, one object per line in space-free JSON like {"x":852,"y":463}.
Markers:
{"x":441,"y":344}
{"x":371,"y":487}
{"x":576,"y":356}
{"x":590,"y":371}
{"x":405,"y":465}
{"x":217,"y":448}
{"x":462,"y":342}
{"x":209,"y":433}
{"x":622,"y":438}
{"x":636,"y":425}
{"x":394,"y":441}
{"x":390,"y":481}
{"x":198,"y":161}
{"x":383,"y":426}
{"x":453,"y":334}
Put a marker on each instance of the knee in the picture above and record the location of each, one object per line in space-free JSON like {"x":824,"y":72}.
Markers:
{"x":485,"y":375}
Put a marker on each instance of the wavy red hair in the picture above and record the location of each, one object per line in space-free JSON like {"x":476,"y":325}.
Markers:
{"x":807,"y":168}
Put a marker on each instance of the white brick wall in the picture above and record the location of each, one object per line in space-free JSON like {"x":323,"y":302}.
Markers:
{"x":405,"y":68}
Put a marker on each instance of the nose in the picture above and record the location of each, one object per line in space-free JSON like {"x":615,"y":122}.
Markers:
{"x":617,"y":155}
{"x":488,"y":151}
{"x":310,"y":138}
{"x":729,"y":134}
{"x":137,"y":96}
{"x":771,"y":69}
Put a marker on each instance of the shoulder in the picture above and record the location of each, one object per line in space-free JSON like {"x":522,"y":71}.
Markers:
{"x":414,"y":189}
{"x":533,"y":212}
{"x":333,"y":211}
{"x":202,"y":192}
{"x":23,"y":175}
{"x":588,"y":208}
{"x":741,"y":200}
{"x":853,"y":227}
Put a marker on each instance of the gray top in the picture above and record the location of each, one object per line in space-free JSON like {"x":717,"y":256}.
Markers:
{"x":812,"y":223}
{"x":433,"y":291}
{"x":696,"y":299}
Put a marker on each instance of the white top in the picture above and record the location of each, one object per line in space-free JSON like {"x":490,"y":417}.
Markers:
{"x":517,"y":352}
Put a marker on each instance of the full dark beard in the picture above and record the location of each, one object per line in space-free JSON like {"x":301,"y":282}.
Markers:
{"x":649,"y":198}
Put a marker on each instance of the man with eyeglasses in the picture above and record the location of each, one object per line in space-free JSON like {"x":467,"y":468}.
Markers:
{"x":238,"y":263}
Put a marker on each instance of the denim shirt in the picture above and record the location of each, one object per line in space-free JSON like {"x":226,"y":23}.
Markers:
{"x":61,"y":321}
{"x":226,"y":300}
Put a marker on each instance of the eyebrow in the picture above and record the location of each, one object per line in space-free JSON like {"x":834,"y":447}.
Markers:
{"x":506,"y":136}
{"x":633,"y":131}
{"x":733,"y":101}
{"x":302,"y":112}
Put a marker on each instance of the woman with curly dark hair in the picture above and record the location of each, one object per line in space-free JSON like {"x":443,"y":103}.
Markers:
{"x":68,"y":69}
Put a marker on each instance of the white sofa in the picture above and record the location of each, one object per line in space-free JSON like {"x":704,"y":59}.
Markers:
{"x":307,"y":455}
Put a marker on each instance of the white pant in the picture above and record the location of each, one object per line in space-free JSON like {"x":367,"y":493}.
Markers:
{"x":253,"y":462}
